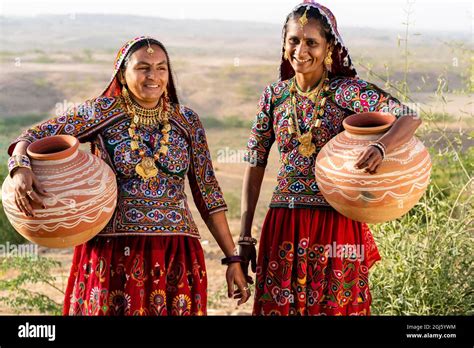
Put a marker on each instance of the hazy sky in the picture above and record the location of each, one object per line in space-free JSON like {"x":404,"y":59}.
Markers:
{"x":427,"y":14}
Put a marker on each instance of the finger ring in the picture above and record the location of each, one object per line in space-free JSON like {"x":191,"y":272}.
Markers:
{"x":29,"y":192}
{"x":246,"y":288}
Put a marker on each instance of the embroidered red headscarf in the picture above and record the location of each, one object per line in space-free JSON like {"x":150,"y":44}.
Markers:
{"x":342,"y":64}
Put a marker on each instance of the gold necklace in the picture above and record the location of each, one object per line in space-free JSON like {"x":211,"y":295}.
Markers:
{"x":313,"y":93}
{"x":146,"y":117}
{"x":307,"y":147}
{"x":146,"y":168}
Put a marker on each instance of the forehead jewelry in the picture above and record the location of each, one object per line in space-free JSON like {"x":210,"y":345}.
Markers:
{"x":149,"y":50}
{"x":304,"y":19}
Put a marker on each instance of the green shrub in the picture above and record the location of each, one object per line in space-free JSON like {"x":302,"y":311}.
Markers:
{"x":7,"y":232}
{"x":30,"y":272}
{"x":427,"y":255}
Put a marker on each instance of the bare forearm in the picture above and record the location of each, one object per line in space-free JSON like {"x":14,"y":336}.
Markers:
{"x":401,"y":131}
{"x":253,"y":178}
{"x":20,"y":148}
{"x":217,"y":224}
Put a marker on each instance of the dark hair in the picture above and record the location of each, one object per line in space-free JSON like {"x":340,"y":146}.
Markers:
{"x":312,"y":13}
{"x":143,"y":43}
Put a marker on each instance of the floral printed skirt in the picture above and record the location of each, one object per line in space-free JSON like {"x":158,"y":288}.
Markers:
{"x":313,"y":262}
{"x":137,"y":275}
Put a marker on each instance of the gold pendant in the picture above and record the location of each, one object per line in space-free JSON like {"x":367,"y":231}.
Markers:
{"x":306,"y":147}
{"x":163,"y":150}
{"x":303,"y":19}
{"x":166,"y":128}
{"x":134,"y":145}
{"x":146,"y":168}
{"x":291,"y":130}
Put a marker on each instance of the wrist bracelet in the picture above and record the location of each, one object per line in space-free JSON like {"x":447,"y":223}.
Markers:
{"x":247,"y":240}
{"x":18,"y":161}
{"x":383,"y":145}
{"x":380,"y":147}
{"x":232,"y":259}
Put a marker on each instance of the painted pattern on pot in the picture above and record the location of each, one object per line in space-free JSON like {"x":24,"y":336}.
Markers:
{"x":392,"y":191}
{"x":83,"y":192}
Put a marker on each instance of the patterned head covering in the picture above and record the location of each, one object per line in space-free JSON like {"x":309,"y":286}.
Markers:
{"x":342,"y":64}
{"x":114,"y":87}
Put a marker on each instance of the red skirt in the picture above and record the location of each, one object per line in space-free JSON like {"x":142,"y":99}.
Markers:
{"x":137,"y":275}
{"x":313,"y":262}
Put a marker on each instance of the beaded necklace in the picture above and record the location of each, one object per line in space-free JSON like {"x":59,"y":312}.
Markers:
{"x":306,"y":147}
{"x":146,"y":168}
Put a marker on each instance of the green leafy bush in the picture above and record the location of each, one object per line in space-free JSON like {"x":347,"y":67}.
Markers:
{"x":427,"y":255}
{"x":29,"y":272}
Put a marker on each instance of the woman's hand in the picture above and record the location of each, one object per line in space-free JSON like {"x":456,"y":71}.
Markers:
{"x":402,"y":130}
{"x":249,"y":253}
{"x":219,"y":228}
{"x":234,"y":275}
{"x":370,"y":159}
{"x":27,"y":190}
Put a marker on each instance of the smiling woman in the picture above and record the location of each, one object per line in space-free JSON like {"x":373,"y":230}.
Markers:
{"x":318,"y":88}
{"x":146,"y":73}
{"x":148,"y":259}
{"x":306,"y":49}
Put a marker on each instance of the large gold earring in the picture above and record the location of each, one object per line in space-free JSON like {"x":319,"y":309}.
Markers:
{"x":286,"y":55}
{"x":328,"y":60}
{"x":125,"y":92}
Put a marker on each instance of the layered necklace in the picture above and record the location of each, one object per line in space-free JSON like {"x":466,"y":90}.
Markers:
{"x":140,"y":116}
{"x":317,"y":96}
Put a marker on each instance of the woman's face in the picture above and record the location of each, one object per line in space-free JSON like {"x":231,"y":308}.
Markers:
{"x":306,"y":48}
{"x":146,"y":75}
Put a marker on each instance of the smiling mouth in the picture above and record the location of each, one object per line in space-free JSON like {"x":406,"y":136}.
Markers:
{"x":152,"y":86}
{"x":301,"y":61}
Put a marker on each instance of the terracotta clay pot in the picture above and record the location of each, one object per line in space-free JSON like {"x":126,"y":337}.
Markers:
{"x":398,"y":184}
{"x":83,"y":189}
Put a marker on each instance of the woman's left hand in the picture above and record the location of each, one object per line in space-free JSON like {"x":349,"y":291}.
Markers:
{"x":370,"y":159}
{"x":235,"y":275}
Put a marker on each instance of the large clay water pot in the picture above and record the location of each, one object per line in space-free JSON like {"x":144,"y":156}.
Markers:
{"x":398,"y":184}
{"x":84,"y":194}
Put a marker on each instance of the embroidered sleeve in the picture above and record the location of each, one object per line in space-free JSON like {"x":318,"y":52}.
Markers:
{"x":206,"y":191}
{"x":80,"y":121}
{"x":262,"y":134}
{"x":361,"y":96}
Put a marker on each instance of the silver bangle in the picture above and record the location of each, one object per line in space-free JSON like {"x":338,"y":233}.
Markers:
{"x":247,"y":240}
{"x":380,"y":147}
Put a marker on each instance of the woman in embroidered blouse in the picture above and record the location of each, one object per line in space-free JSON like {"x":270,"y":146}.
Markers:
{"x":148,"y":260}
{"x":296,"y":271}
